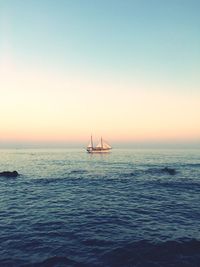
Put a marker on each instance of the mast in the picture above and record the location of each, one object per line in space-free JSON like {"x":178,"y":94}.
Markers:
{"x":91,"y":141}
{"x":101,"y":142}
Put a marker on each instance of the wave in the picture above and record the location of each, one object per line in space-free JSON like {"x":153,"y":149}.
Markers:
{"x":56,"y":262}
{"x":165,"y":170}
{"x":45,"y":181}
{"x":146,"y":254}
{"x":130,"y":174}
{"x":78,"y":171}
{"x":192,"y":165}
{"x":143,"y":253}
{"x":56,"y":180}
{"x":153,"y":171}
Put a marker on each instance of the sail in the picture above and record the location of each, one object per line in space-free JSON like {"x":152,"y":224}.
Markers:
{"x":99,"y":145}
{"x":105,"y":145}
{"x":90,"y":144}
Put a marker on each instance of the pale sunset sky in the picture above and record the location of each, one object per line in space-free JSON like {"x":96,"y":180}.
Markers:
{"x":124,"y":69}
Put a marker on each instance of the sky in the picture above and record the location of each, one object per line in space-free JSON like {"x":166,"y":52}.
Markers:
{"x":125,"y":70}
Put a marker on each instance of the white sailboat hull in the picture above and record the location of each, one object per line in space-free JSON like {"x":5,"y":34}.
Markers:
{"x":98,"y":150}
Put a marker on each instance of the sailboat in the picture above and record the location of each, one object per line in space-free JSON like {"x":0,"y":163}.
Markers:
{"x":102,"y":147}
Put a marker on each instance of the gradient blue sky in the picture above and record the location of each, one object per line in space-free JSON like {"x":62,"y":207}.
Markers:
{"x":147,"y":50}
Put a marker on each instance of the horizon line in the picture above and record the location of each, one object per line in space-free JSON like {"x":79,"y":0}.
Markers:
{"x":122,"y":144}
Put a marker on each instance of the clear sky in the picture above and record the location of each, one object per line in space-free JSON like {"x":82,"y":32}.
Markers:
{"x":127,"y":70}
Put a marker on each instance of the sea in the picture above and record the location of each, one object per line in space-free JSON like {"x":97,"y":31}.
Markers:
{"x":128,"y":208}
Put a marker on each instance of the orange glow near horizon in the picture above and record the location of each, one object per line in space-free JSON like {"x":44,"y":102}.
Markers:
{"x":46,"y":106}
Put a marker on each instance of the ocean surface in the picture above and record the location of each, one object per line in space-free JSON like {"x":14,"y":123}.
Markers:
{"x":70,"y":208}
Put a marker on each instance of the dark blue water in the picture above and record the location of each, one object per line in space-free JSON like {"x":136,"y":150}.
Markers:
{"x":69,"y":208}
